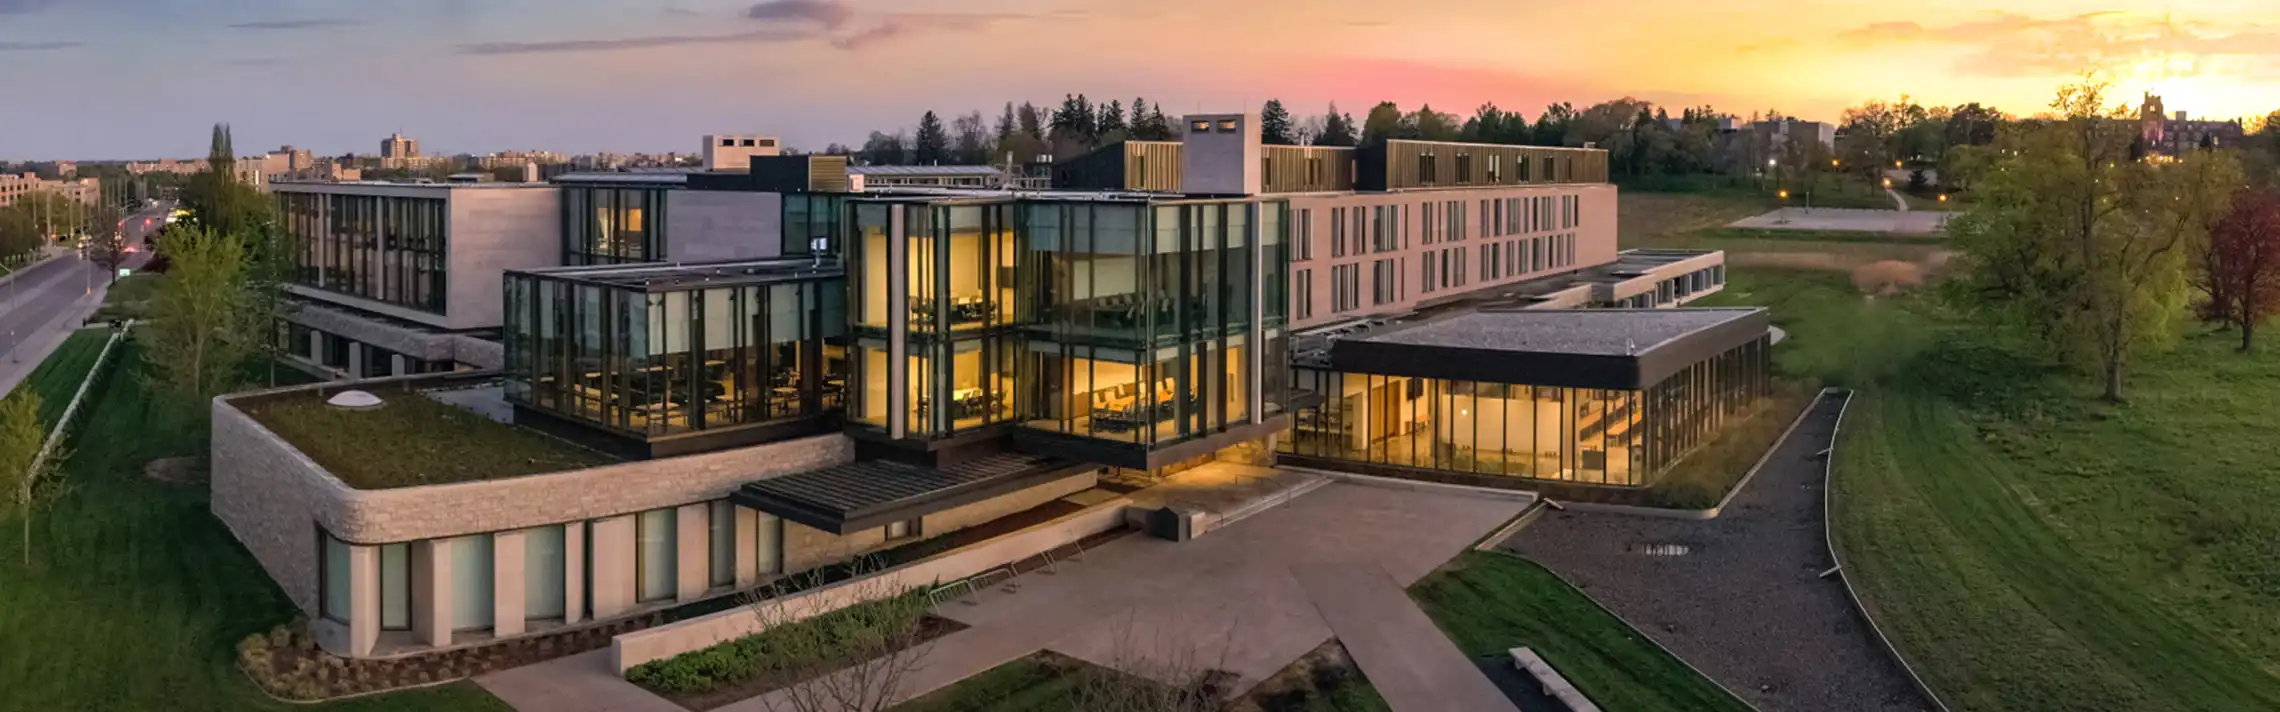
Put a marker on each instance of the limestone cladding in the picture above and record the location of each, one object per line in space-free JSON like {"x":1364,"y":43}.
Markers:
{"x":424,"y":345}
{"x":480,"y":353}
{"x":275,"y":499}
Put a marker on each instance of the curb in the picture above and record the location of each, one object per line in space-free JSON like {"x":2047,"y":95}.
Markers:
{"x":1829,"y":538}
{"x":27,"y":269}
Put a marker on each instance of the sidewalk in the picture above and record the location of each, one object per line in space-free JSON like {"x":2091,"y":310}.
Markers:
{"x":1407,"y":658}
{"x":580,"y":682}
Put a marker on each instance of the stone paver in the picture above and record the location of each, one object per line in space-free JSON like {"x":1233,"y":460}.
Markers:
{"x":1411,"y":663}
{"x":584,"y":683}
{"x":1911,"y":222}
{"x":1743,"y":600}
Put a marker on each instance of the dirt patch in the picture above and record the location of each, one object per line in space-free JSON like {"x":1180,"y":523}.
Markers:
{"x":1322,"y":679}
{"x":1888,"y":277}
{"x":177,"y":470}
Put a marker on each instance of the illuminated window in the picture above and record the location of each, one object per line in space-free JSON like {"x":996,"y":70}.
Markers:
{"x":1199,"y":127}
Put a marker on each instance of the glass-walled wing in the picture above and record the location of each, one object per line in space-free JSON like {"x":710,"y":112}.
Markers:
{"x":1614,"y":437}
{"x":812,"y":219}
{"x":663,"y":363}
{"x":605,"y":225}
{"x":388,"y":249}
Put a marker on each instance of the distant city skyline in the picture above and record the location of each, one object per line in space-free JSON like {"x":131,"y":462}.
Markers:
{"x":143,"y":79}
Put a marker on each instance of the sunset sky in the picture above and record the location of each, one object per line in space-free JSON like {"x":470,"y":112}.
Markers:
{"x":143,"y":78}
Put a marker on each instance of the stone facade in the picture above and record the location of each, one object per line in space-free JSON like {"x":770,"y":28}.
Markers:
{"x":275,"y":499}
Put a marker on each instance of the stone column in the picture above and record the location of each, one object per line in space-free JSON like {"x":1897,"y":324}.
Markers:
{"x":573,"y":572}
{"x":355,"y":359}
{"x":363,"y":600}
{"x":396,"y":366}
{"x":317,"y":347}
{"x":431,"y":591}
{"x":507,"y":584}
{"x":614,"y":580}
{"x":692,"y":549}
{"x":747,"y":547}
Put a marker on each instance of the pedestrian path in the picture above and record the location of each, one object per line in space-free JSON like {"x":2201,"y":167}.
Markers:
{"x":584,"y":682}
{"x":1412,"y":665}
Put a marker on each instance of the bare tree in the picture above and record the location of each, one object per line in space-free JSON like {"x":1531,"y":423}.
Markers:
{"x":1166,"y":669}
{"x":859,"y":658}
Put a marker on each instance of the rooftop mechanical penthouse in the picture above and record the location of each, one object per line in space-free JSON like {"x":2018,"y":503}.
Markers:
{"x":706,"y":380}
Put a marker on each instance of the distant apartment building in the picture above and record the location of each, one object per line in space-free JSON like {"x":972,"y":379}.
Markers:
{"x":1776,"y":134}
{"x":18,"y":187}
{"x":167,"y":165}
{"x":2177,"y":134}
{"x":794,"y":364}
{"x":397,"y":146}
{"x":723,"y":152}
{"x":515,"y":159}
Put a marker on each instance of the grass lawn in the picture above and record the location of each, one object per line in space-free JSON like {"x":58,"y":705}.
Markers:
{"x":1704,"y":476}
{"x":138,"y":594}
{"x":57,"y":378}
{"x":1655,"y":219}
{"x":1050,"y":683}
{"x":412,"y":440}
{"x":128,"y":298}
{"x":2032,"y":549}
{"x":1490,"y":603}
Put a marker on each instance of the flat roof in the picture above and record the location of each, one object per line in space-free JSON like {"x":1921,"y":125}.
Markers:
{"x":924,"y":170}
{"x":1581,"y":348}
{"x":844,"y":499}
{"x":672,"y":277}
{"x":667,"y":177}
{"x":1604,"y":332}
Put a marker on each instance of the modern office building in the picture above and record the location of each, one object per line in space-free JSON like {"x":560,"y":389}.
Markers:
{"x":867,"y":178}
{"x":395,"y":278}
{"x":724,"y":152}
{"x":785,"y":365}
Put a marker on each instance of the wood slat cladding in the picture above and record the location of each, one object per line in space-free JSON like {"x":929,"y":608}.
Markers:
{"x":1150,"y":166}
{"x":1408,"y":165}
{"x":827,"y":174}
{"x":1306,"y":169}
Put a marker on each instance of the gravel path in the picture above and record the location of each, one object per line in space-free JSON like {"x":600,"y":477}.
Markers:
{"x":1744,"y":601}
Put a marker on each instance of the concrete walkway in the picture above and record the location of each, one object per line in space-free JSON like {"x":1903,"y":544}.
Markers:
{"x":584,"y":682}
{"x":1740,"y":596}
{"x":1897,"y":200}
{"x":1899,"y":222}
{"x":1411,"y":663}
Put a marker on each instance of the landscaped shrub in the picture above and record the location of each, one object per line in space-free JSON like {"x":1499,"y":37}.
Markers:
{"x":790,"y":651}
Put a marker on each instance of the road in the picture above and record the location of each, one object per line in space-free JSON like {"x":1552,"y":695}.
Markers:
{"x":48,"y":297}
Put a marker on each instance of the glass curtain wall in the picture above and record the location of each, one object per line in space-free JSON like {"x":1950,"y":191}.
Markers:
{"x":947,"y":282}
{"x":383,"y":248}
{"x":1587,"y":435}
{"x":1142,"y":320}
{"x":673,"y":362}
{"x":604,"y":225}
{"x":809,"y":217}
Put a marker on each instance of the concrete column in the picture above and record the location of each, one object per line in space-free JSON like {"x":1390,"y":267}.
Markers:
{"x":316,"y":347}
{"x":356,"y":359}
{"x":573,"y":572}
{"x":507,"y":584}
{"x":613,"y":572}
{"x":747,"y":547}
{"x":363,"y":600}
{"x":396,"y":366}
{"x":692,"y":549}
{"x":431,"y":591}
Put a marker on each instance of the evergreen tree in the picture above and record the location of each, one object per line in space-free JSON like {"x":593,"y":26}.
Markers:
{"x":1150,"y":125}
{"x":1337,"y":128}
{"x":1274,"y":125}
{"x":932,"y":146}
{"x":1385,"y":121}
{"x":1112,"y":125}
{"x":219,"y":155}
{"x":1006,"y":125}
{"x":1552,"y":126}
{"x":1032,"y":125}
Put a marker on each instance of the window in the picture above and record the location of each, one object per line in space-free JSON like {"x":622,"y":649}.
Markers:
{"x":720,"y":522}
{"x":1228,"y":126}
{"x":1425,"y":274}
{"x":1304,"y":236}
{"x":767,"y":142}
{"x":768,"y":543}
{"x":1464,"y":168}
{"x":655,"y":560}
{"x":396,"y":587}
{"x":1337,"y":232}
{"x":1305,"y":293}
{"x":1199,"y":127}
{"x":1495,"y":167}
{"x":387,"y":249}
{"x":905,"y":529}
{"x":1266,"y":170}
{"x":334,"y":584}
{"x":1426,"y":171}
{"x":544,"y":571}
{"x":1314,"y":172}
{"x":471,"y":582}
{"x":728,"y":142}
{"x":1382,"y":276}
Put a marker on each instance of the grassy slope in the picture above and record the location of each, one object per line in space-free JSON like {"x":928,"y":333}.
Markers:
{"x":1491,"y":603}
{"x":2037,"y":551}
{"x":2028,"y":548}
{"x":139,"y":593}
{"x":58,"y":377}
